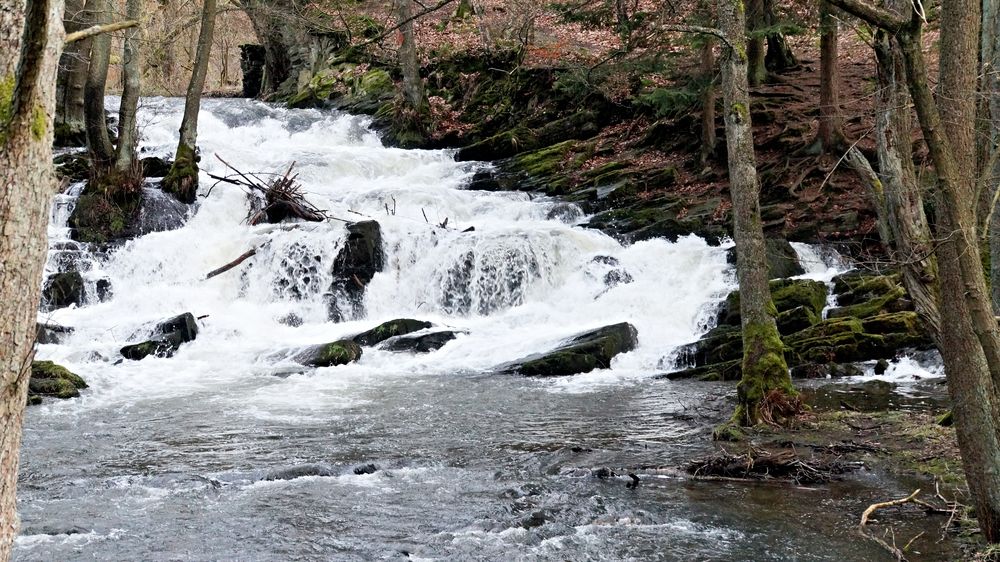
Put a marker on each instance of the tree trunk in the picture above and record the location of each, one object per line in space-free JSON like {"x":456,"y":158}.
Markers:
{"x":831,"y":124}
{"x":125,"y":155}
{"x":98,"y":139}
{"x":755,"y":44}
{"x":182,"y":180}
{"x":895,"y":191}
{"x":766,"y":385}
{"x":30,"y":43}
{"x":779,"y":56}
{"x":70,"y":124}
{"x":708,"y":138}
{"x":413,"y":85}
{"x":991,"y":84}
{"x":971,"y":350}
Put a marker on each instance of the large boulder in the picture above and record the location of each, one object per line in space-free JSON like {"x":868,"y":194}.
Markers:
{"x":49,"y":379}
{"x":353,"y":268}
{"x":330,"y":354}
{"x":390,"y":329}
{"x":583,"y":353}
{"x":63,"y":289}
{"x":165,"y":338}
{"x":782,"y":259}
{"x":420,"y":343}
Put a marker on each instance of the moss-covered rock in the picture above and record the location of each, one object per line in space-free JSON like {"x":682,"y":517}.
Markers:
{"x":330,"y":354}
{"x":50,"y":379}
{"x":106,"y":208}
{"x":724,"y":371}
{"x":390,"y":329}
{"x":787,"y":295}
{"x":583,"y":353}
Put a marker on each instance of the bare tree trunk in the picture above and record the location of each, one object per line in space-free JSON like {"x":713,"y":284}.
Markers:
{"x":98,"y":139}
{"x":30,"y":43}
{"x":182,"y":180}
{"x":991,"y":83}
{"x":70,"y":125}
{"x":831,"y":124}
{"x":971,"y":349}
{"x":779,"y":56}
{"x":708,"y":138}
{"x":413,"y":86}
{"x":766,"y":384}
{"x":895,"y":191}
{"x":127,"y":133}
{"x":756,"y":44}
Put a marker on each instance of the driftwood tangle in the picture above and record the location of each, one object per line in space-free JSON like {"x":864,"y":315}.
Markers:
{"x":272,"y":200}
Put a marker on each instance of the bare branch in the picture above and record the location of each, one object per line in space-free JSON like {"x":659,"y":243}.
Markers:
{"x":99,"y":29}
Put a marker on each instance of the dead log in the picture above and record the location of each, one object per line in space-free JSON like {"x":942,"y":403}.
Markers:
{"x":232,"y":264}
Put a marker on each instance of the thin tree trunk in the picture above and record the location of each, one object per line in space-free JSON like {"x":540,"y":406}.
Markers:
{"x":991,"y":83}
{"x":70,"y":121}
{"x":413,"y":86}
{"x":708,"y":138}
{"x":765,"y":383}
{"x":182,"y":180}
{"x":127,"y":133}
{"x":30,"y":43}
{"x":779,"y":56}
{"x":831,"y":124}
{"x":98,"y":139}
{"x":756,"y":43}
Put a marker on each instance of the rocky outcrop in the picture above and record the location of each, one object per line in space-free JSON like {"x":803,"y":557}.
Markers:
{"x":164,"y":339}
{"x":420,"y":343}
{"x":330,"y":354}
{"x":63,"y":289}
{"x":877,"y":324}
{"x":392,"y":328}
{"x":353,"y":268}
{"x":583,"y":353}
{"x":49,"y":379}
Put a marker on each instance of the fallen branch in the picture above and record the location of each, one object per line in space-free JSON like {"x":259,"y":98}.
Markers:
{"x":273,"y":200}
{"x":232,"y":264}
{"x":99,"y":29}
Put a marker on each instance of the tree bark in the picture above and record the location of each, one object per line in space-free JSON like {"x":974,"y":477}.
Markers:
{"x":765,"y":372}
{"x":125,"y":154}
{"x":30,"y":43}
{"x":756,"y":43}
{"x":277,"y":59}
{"x":413,"y":85}
{"x":831,"y":123}
{"x":70,"y":122}
{"x":708,"y":137}
{"x":182,"y":180}
{"x":101,"y":149}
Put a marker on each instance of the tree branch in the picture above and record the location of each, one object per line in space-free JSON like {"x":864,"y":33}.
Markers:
{"x":872,"y":14}
{"x":400,"y":24}
{"x":99,"y":29}
{"x":700,"y":30}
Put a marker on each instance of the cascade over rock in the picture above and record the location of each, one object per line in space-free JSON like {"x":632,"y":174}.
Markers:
{"x":166,"y":338}
{"x":353,"y":268}
{"x":63,"y":289}
{"x":420,"y":343}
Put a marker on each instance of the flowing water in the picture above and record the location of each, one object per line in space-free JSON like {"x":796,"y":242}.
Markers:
{"x":228,"y":451}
